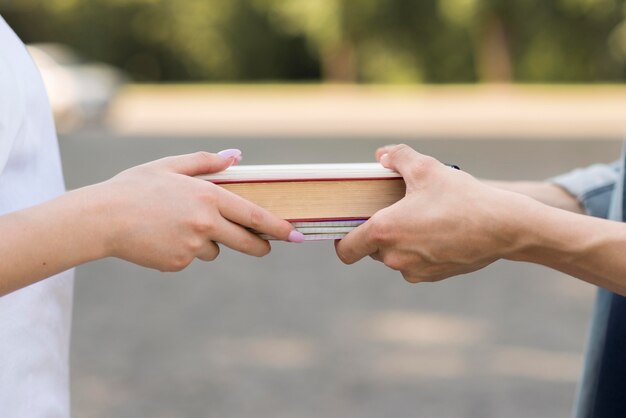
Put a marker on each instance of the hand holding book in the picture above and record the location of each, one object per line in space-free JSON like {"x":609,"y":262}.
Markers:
{"x":323,"y":201}
{"x":448,"y":223}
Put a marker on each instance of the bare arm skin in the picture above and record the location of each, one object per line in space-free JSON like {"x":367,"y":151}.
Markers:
{"x":545,"y":192}
{"x":450,"y":223}
{"x":155,"y":215}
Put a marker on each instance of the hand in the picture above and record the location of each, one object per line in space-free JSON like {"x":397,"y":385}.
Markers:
{"x":448,"y":223}
{"x":158,"y":215}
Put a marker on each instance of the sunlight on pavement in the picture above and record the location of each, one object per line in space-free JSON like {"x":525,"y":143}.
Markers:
{"x":101,"y":393}
{"x":420,"y":328}
{"x":536,"y":364}
{"x":401,"y":364}
{"x":266,"y":352}
{"x":429,"y":345}
{"x":455,"y":363}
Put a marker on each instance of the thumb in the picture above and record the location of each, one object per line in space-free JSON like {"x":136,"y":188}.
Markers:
{"x":200,"y":162}
{"x":405,"y":160}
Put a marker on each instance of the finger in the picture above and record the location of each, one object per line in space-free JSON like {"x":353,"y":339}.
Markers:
{"x":377,"y":256}
{"x":210,"y":252}
{"x":356,"y":245}
{"x":239,"y":239}
{"x":246,"y":213}
{"x":383,"y":150}
{"x":200,"y":162}
{"x":406,"y":161}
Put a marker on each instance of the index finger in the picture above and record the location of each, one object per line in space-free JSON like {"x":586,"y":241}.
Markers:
{"x":356,"y":245}
{"x":239,"y":210}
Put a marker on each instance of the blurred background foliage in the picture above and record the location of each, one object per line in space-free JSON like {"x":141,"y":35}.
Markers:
{"x":368,"y":41}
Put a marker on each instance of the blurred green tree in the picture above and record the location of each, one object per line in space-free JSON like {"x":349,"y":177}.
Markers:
{"x":372,"y":41}
{"x":213,"y":40}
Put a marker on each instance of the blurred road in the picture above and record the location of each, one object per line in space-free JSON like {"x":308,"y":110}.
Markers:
{"x":476,"y":112}
{"x":299,"y":335}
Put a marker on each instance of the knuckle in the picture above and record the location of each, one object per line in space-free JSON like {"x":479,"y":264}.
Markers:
{"x":212,"y":256}
{"x":256,"y":218}
{"x":203,"y":156}
{"x":380,"y":230}
{"x":429,"y":163}
{"x":204,"y":225}
{"x":344,"y":257}
{"x":399,"y":149}
{"x":253,"y":246}
{"x":411,"y":278}
{"x":213,"y":253}
{"x":246,"y":245}
{"x":263,"y":250}
{"x":195,"y":245}
{"x":425,"y":275}
{"x":210,"y":197}
{"x":179,"y":262}
{"x":394,"y":262}
{"x":424,"y":165}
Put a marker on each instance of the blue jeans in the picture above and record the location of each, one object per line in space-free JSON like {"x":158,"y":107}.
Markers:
{"x":602,"y":391}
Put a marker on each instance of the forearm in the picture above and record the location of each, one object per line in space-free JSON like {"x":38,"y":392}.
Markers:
{"x":585,"y":247}
{"x":544,"y":192}
{"x":50,"y":238}
{"x":157,"y":215}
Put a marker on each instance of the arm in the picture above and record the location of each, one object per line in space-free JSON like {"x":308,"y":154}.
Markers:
{"x":542,"y":191}
{"x":449,"y":223}
{"x":583,"y":190}
{"x":155,"y":215}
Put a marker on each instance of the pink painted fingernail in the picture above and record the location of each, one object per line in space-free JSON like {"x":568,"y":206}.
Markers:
{"x":296,"y":236}
{"x":230,"y":153}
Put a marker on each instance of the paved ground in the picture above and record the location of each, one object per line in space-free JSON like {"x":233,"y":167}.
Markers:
{"x":297,"y":334}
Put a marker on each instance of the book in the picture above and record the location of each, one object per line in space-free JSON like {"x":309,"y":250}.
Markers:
{"x":323,"y":230}
{"x":323,"y":201}
{"x":314,"y":192}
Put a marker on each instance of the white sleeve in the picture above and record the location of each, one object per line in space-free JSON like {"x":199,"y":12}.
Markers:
{"x":12,"y":106}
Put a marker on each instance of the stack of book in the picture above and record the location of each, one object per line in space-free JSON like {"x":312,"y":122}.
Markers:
{"x":323,"y":201}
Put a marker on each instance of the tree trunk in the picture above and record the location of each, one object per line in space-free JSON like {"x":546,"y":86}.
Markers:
{"x":339,"y":63}
{"x":493,"y":56}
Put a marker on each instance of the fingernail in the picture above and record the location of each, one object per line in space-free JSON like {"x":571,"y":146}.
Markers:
{"x":296,"y":236}
{"x":237,"y":160}
{"x":230,"y":153}
{"x":383,"y":158}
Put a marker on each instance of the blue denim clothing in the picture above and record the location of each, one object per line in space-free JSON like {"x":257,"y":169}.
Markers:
{"x":593,"y":186}
{"x":602,"y":391}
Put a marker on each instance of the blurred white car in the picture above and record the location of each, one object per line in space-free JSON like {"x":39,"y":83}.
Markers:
{"x":79,"y":92}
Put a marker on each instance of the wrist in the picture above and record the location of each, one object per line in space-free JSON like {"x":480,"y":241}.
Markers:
{"x":518,"y":232}
{"x":92,"y":220}
{"x":542,"y":234}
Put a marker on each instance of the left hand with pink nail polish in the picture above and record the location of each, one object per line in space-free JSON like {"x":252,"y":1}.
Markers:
{"x":156,"y":215}
{"x":176,"y":217}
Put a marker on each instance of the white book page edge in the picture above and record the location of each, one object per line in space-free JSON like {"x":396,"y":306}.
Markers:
{"x":302,"y":172}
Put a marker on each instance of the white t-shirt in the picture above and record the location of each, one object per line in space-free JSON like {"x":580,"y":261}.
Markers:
{"x":34,"y":321}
